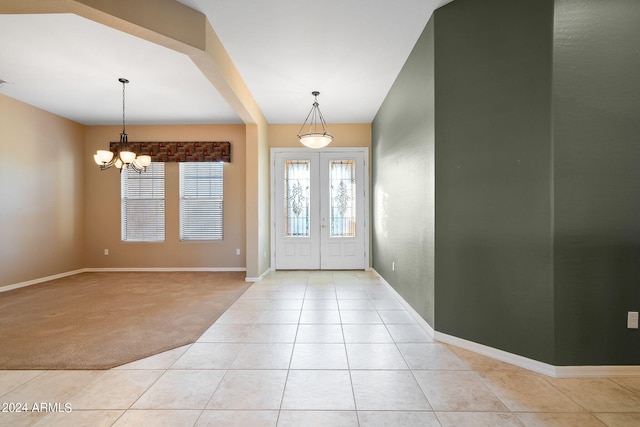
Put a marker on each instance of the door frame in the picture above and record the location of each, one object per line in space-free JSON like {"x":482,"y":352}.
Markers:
{"x":337,"y":150}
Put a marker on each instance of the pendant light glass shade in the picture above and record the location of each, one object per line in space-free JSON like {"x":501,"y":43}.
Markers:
{"x":143,"y":161}
{"x":127,"y":157}
{"x":102,"y":157}
{"x":315,"y":140}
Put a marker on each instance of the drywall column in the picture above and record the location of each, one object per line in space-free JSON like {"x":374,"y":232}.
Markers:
{"x":596,"y":109}
{"x":258,"y":211}
{"x":493,"y":264}
{"x":403,"y":178}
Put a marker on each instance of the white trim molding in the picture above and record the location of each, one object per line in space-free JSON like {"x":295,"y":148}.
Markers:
{"x":259,"y":278}
{"x":40,"y":280}
{"x":161,"y":269}
{"x":423,"y":323}
{"x":540,"y":367}
{"x":494,"y":353}
{"x":115,"y":270}
{"x":514,"y":359}
{"x":367,"y":192}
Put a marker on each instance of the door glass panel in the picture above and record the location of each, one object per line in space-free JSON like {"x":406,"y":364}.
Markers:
{"x":297,"y":175}
{"x":342,"y":174}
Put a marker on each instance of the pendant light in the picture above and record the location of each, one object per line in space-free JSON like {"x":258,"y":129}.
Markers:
{"x":124,"y":158}
{"x":315,"y":137}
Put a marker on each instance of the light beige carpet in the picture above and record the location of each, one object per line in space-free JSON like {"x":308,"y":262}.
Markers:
{"x":102,"y":320}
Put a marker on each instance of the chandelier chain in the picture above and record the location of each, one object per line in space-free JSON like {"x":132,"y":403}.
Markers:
{"x":123,"y":122}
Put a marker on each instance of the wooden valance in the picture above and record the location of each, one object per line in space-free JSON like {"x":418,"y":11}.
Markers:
{"x":208,"y":151}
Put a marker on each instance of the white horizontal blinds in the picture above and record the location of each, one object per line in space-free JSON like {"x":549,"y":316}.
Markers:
{"x":143,"y":204}
{"x":201,"y":201}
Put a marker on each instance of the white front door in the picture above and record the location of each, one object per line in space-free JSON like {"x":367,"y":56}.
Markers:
{"x":319,"y":209}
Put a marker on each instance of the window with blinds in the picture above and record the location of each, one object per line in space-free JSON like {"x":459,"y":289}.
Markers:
{"x":143,"y":204}
{"x":201,"y":201}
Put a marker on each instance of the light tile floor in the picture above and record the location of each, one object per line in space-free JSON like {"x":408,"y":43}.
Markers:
{"x":317,"y":349}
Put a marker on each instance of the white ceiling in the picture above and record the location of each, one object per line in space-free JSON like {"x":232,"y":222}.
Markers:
{"x":70,"y":66}
{"x":351,"y":51}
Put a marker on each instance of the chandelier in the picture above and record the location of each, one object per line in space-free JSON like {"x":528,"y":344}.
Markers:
{"x":315,"y":138}
{"x":124,"y":158}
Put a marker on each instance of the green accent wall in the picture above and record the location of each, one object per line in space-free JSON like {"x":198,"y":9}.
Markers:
{"x":403,"y":181}
{"x":596,"y":134}
{"x":493,"y":174}
{"x":527,"y":236}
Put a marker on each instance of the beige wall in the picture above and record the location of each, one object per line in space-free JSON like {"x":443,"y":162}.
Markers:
{"x":60,"y":211}
{"x":103,"y":230}
{"x":103,"y":205}
{"x":249,"y":218}
{"x":42,"y":163}
{"x":191,"y":34}
{"x":344,"y":135}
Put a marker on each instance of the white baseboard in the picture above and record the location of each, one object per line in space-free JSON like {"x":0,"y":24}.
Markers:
{"x":259,"y":278}
{"x":501,"y":355}
{"x":423,"y":323}
{"x":514,"y":359}
{"x":540,"y":367}
{"x":40,"y":280}
{"x":162,"y":269}
{"x":115,"y":270}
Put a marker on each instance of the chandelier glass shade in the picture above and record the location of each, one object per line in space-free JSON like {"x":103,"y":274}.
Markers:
{"x":123,"y":158}
{"x":317,"y":135}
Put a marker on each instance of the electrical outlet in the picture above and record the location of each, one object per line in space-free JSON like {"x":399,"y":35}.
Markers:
{"x":106,"y":251}
{"x":237,"y":251}
{"x":632,"y":320}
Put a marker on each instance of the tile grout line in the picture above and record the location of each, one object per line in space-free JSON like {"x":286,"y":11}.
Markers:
{"x":293,"y":348}
{"x":346,"y":353}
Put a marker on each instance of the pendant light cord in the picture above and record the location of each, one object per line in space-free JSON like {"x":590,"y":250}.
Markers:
{"x":316,"y":115}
